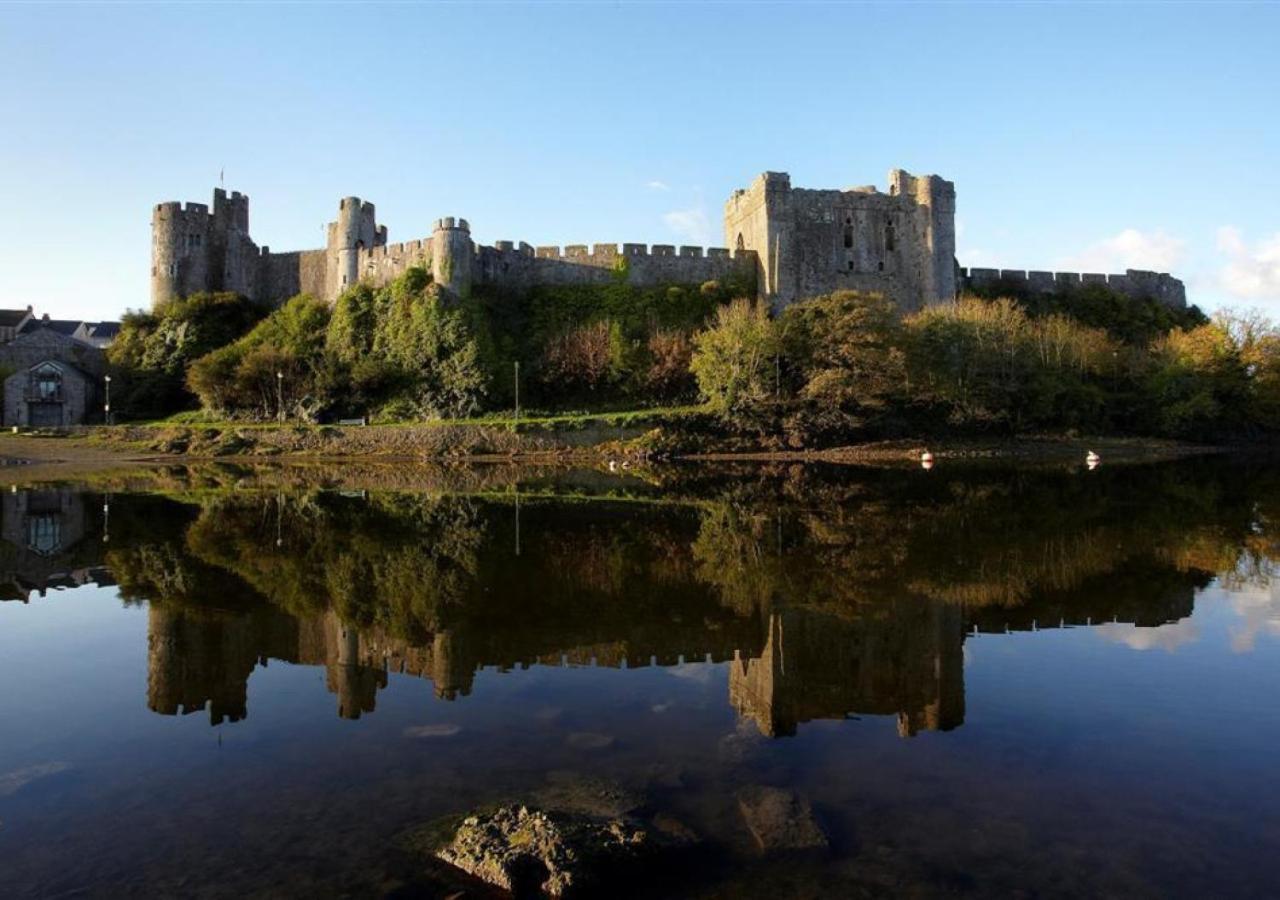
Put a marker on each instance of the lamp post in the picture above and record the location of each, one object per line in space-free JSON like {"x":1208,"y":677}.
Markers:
{"x":106,"y":407}
{"x":280,"y":396}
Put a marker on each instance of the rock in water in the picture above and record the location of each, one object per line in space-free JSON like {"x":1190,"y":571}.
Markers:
{"x":522,"y":850}
{"x":780,"y":820}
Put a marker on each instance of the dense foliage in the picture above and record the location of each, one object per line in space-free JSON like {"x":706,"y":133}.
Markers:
{"x":1136,"y":320}
{"x":849,"y":366}
{"x":408,"y":351}
{"x":150,"y":357}
{"x":840,"y":367}
{"x":401,"y":350}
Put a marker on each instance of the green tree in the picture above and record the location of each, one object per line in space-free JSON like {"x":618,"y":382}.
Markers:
{"x":150,"y":357}
{"x":734,"y":359}
{"x":845,"y":350}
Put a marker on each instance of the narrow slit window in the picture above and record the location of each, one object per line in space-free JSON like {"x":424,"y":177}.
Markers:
{"x":890,"y":238}
{"x":848,"y":237}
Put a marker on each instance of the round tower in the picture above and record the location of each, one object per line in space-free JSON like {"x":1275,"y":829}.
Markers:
{"x":452,"y":256}
{"x":179,"y":240}
{"x":353,"y":231}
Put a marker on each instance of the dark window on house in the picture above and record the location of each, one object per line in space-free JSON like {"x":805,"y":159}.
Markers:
{"x":44,"y":533}
{"x":46,"y":383}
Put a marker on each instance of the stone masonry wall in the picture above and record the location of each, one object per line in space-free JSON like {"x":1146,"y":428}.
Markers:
{"x":900,"y":244}
{"x":1134,"y":283}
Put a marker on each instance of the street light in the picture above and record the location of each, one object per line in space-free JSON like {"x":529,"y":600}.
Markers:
{"x":280,"y":396}
{"x":106,"y":407}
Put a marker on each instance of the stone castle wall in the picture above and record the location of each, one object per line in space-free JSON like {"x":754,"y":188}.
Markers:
{"x":195,"y":251}
{"x":809,"y":242}
{"x":787,"y":244}
{"x":1136,"y":283}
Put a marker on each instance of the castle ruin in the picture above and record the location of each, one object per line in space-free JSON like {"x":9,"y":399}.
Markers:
{"x":787,"y":244}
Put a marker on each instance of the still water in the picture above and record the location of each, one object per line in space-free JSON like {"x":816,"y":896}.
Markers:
{"x":984,"y":680}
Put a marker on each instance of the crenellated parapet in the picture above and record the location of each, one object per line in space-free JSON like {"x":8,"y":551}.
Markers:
{"x":899,"y":243}
{"x":1135,"y":283}
{"x":783,"y":243}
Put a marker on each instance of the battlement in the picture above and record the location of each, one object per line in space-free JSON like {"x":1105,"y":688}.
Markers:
{"x":791,"y":243}
{"x":610,"y":252}
{"x":1136,"y":283}
{"x":449,"y":223}
{"x":354,"y":205}
{"x":174,"y":207}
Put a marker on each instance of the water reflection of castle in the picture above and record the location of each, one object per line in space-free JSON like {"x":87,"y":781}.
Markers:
{"x":794,"y":666}
{"x":826,"y":656}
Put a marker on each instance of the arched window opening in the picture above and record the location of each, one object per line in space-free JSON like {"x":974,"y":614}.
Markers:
{"x":741,"y":245}
{"x":848,"y":237}
{"x":890,"y":238}
{"x":46,"y":383}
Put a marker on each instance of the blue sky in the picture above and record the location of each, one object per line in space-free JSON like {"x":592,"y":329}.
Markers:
{"x":1079,"y":136}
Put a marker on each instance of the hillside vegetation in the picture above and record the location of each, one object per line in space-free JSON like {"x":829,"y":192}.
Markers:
{"x":835,"y":368}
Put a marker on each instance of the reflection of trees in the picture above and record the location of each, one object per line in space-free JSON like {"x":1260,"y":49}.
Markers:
{"x":394,"y":562}
{"x":972,"y":539}
{"x":835,"y":595}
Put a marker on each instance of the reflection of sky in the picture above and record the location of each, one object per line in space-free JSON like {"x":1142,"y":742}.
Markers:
{"x":1162,"y":637}
{"x":1244,"y":613}
{"x":1259,"y":611}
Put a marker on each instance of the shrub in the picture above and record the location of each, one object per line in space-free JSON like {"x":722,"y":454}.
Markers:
{"x":670,"y":354}
{"x":150,"y":357}
{"x":734,"y":359}
{"x":238,"y":378}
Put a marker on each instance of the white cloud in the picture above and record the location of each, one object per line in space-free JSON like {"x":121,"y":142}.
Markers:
{"x":1252,"y":271}
{"x":656,"y":185}
{"x":691,"y":224}
{"x":1162,"y":637}
{"x":1130,"y":249}
{"x":1259,"y":612}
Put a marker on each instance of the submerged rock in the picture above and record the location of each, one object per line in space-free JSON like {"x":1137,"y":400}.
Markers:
{"x":584,"y":795}
{"x":780,"y":819}
{"x":524,"y":850}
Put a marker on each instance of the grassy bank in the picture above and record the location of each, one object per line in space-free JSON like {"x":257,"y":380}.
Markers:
{"x":593,"y":440}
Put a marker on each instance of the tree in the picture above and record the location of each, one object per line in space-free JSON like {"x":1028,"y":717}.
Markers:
{"x":734,"y":359}
{"x":845,"y":349}
{"x":1198,"y":383}
{"x":150,"y":357}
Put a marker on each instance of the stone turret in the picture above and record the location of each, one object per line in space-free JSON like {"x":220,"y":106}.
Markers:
{"x":452,"y":256}
{"x":193,"y":249}
{"x":935,"y":214}
{"x":355,"y":230}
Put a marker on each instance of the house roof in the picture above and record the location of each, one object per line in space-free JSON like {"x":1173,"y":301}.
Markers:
{"x":102,"y":330}
{"x":62,"y":326}
{"x":11,"y":317}
{"x":61,"y":364}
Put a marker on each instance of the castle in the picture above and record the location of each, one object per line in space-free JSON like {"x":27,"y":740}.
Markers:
{"x":787,"y":244}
